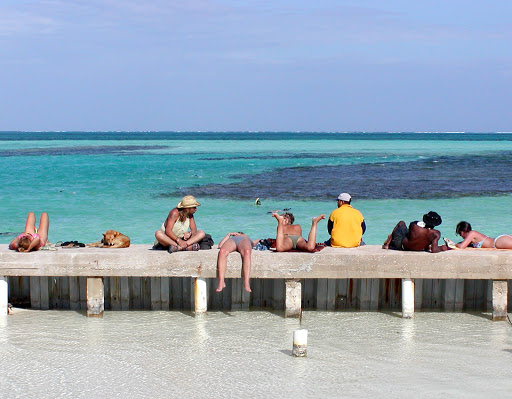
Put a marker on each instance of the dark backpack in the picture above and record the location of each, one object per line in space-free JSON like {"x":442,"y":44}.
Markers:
{"x":206,"y":242}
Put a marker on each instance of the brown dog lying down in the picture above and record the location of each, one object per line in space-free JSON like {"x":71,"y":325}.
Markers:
{"x":112,"y":239}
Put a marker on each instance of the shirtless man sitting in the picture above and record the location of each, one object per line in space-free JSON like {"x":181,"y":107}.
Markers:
{"x":289,"y":235}
{"x":420,"y":236}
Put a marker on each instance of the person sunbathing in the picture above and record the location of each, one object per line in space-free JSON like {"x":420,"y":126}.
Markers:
{"x":32,"y":239}
{"x":232,"y":242}
{"x":289,"y":235}
{"x":475,"y":239}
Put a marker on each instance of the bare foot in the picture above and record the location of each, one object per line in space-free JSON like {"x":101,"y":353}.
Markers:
{"x":387,"y":242}
{"x":280,"y":219}
{"x":318,"y":218}
{"x":247,"y":287}
{"x":221,"y":286}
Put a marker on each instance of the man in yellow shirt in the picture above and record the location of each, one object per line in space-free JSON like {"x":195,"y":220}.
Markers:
{"x":346,"y":224}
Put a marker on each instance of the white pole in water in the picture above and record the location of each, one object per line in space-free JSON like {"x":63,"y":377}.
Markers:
{"x":200,"y":296}
{"x":300,"y":343}
{"x":4,"y":296}
{"x":407,"y":298}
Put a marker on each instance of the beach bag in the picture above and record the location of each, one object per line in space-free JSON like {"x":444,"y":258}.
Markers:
{"x":206,"y":242}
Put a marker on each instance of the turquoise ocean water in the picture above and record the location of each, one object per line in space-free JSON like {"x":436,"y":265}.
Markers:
{"x":91,"y":182}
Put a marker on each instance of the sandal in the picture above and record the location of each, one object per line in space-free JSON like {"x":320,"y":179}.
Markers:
{"x":172,"y":249}
{"x":193,"y":247}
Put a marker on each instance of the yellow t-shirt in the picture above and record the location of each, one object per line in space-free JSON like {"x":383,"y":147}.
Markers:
{"x":346,"y":230}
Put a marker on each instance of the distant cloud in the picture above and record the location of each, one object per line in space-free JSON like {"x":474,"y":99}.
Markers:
{"x":14,"y":22}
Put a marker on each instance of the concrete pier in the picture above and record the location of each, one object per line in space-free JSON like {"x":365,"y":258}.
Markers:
{"x":366,"y":278}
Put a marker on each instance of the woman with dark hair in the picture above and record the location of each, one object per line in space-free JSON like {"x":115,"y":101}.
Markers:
{"x":179,"y":231}
{"x":32,"y":239}
{"x":475,"y":239}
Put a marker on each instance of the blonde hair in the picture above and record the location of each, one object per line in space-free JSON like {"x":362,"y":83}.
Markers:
{"x":183,"y":214}
{"x":289,"y":216}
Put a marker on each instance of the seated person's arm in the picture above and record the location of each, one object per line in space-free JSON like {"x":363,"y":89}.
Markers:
{"x":363,"y":226}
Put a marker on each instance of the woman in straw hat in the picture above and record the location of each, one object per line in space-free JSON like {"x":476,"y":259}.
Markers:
{"x":179,"y":231}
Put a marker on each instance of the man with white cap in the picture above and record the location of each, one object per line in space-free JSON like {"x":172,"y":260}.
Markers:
{"x":346,"y":225}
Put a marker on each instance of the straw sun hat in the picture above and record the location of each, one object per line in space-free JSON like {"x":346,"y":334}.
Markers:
{"x":188,"y":201}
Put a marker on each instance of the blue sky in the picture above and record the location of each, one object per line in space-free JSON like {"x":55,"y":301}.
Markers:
{"x":256,"y":65}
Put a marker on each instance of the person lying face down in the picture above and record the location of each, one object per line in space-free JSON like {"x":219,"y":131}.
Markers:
{"x":289,"y":235}
{"x":476,"y":239}
{"x":420,"y":236}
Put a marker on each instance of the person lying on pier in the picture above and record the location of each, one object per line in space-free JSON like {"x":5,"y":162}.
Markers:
{"x":289,"y":235}
{"x":32,"y":239}
{"x":232,"y":242}
{"x":179,"y":232}
{"x":420,"y":236}
{"x":475,"y":239}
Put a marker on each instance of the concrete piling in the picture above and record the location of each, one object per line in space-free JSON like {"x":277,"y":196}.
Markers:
{"x":293,"y":297}
{"x":4,"y":296}
{"x":407,"y":298}
{"x":200,"y":296}
{"x":300,"y":343}
{"x":499,"y":299}
{"x":95,"y":297}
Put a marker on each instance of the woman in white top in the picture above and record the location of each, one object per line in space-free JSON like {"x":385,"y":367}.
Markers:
{"x":179,"y":231}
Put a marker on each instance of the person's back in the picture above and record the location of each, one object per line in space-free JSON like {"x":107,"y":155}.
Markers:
{"x":421,"y":238}
{"x":346,"y":224}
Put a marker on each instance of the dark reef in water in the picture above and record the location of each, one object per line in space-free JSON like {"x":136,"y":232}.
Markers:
{"x":85,"y":150}
{"x":435,"y":177}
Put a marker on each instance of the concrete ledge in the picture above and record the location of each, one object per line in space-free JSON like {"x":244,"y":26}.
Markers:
{"x":366,"y":262}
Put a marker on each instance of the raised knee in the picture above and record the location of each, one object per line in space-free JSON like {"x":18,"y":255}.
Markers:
{"x":201,"y":233}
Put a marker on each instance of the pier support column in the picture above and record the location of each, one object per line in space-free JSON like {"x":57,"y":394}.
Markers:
{"x":499,"y":300}
{"x":407,"y":298}
{"x":293,"y":298}
{"x":200,"y":296}
{"x":95,"y":297}
{"x":4,"y":296}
